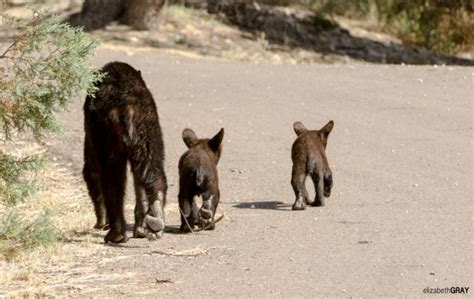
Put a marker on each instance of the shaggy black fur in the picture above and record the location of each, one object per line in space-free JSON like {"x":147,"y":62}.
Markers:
{"x":122,"y":124}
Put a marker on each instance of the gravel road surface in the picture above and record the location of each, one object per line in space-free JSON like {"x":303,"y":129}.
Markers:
{"x":400,"y":215}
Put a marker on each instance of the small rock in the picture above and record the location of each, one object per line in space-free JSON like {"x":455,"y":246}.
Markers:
{"x":163,"y":280}
{"x":235,"y":170}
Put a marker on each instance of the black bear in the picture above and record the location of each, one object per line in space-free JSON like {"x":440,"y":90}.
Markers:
{"x":309,"y":159}
{"x":198,"y":177}
{"x":122,"y":125}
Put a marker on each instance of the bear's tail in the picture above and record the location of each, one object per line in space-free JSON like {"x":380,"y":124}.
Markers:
{"x":200,"y":175}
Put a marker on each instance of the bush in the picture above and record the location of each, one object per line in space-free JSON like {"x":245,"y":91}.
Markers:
{"x":14,"y":188}
{"x":435,"y":25}
{"x":43,"y":68}
{"x":439,"y":25}
{"x":443,"y":26}
{"x":18,"y":234}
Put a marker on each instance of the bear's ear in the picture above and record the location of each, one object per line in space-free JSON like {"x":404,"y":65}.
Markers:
{"x":216,"y":141}
{"x":299,"y":128}
{"x":324,"y":132}
{"x":189,"y":137}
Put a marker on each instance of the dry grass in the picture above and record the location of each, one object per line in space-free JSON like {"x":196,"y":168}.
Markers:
{"x":65,"y":195}
{"x":194,"y":33}
{"x":70,"y":266}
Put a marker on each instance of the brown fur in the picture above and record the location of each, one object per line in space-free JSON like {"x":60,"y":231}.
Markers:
{"x":122,"y":125}
{"x":198,"y":177}
{"x":309,"y":159}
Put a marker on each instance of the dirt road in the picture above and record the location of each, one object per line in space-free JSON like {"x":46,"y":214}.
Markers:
{"x":400,"y":216}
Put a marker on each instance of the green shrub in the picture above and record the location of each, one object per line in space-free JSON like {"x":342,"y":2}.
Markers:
{"x":14,"y":188}
{"x":18,"y":234}
{"x":434,"y":25}
{"x":438,"y":25}
{"x":44,"y":66}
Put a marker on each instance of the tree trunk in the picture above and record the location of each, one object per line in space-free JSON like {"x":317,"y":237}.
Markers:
{"x":96,"y":14}
{"x":142,"y":14}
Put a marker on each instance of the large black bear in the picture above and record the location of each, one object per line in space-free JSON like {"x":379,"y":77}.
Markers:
{"x":122,"y":124}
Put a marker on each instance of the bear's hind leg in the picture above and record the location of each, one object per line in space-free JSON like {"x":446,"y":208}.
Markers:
{"x":187,"y":213}
{"x":92,"y":178}
{"x":318,"y":181}
{"x":150,"y":189}
{"x":327,"y":183}
{"x":210,"y":200}
{"x":113,"y":179}
{"x":141,"y":206}
{"x":298,"y":177}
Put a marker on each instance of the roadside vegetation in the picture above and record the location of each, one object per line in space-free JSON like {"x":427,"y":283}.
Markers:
{"x":43,"y":67}
{"x":440,"y":26}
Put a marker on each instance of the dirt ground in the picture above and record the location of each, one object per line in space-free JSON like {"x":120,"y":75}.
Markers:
{"x":399,"y":219}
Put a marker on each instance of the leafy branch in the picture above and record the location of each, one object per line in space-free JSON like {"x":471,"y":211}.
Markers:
{"x":43,"y":68}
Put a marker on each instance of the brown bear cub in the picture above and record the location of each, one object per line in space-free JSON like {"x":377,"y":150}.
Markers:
{"x":198,"y":177}
{"x":121,"y":124}
{"x":309,"y":159}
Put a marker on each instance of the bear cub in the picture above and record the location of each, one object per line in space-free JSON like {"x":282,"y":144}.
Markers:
{"x":121,"y":125}
{"x":198,"y":177}
{"x":309,"y":159}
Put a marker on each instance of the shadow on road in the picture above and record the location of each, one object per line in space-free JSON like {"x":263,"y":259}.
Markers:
{"x":264,"y":205}
{"x":173,"y":229}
